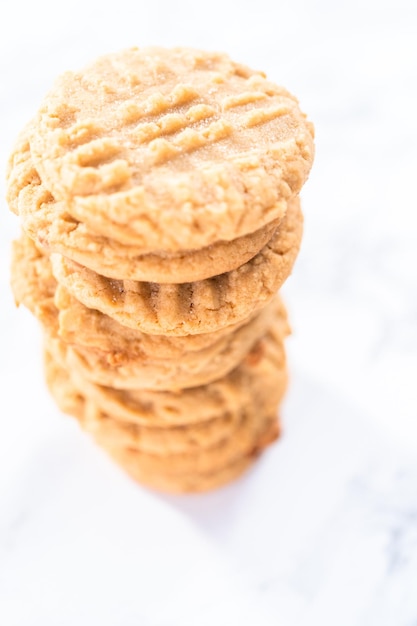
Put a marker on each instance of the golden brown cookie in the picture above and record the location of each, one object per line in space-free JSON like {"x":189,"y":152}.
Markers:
{"x":206,"y":460}
{"x":141,"y":370}
{"x":34,"y":286}
{"x":88,"y":328}
{"x":68,"y":393}
{"x":164,"y":450}
{"x":191,"y":308}
{"x":194,"y":482}
{"x":158,"y":192}
{"x":257,"y":384}
{"x":170,"y":149}
{"x":50,"y":225}
{"x":111,"y":354}
{"x":204,"y":446}
{"x":32,"y":282}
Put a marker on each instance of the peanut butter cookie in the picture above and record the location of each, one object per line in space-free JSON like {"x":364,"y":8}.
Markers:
{"x":190,"y":308}
{"x":50,"y":225}
{"x":171,"y":149}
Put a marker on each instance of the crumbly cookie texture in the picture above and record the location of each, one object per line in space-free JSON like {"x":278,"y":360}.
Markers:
{"x":168,"y":449}
{"x":70,"y":395}
{"x":257,"y":384}
{"x":158,"y":194}
{"x":190,"y":308}
{"x":88,"y":328}
{"x":34,"y":286}
{"x":32,"y":281}
{"x":48,"y":223}
{"x":170,"y":149}
{"x":111,"y":354}
{"x":124,"y":370}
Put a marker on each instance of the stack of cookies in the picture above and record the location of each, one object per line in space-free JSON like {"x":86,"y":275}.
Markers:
{"x":158,"y":197}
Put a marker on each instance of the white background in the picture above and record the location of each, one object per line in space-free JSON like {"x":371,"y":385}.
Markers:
{"x":324,"y":530}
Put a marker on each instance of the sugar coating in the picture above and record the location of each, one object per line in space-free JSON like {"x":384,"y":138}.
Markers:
{"x":171,"y":149}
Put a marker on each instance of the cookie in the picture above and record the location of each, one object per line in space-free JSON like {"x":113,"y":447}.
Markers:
{"x":35,"y":287}
{"x":88,"y":328}
{"x":166,"y":450}
{"x":171,"y":149}
{"x":257,"y":384}
{"x":48,"y":223}
{"x":111,"y":354}
{"x":191,"y":308}
{"x":191,"y":438}
{"x":137,"y":369}
{"x":194,"y":482}
{"x":32,"y":282}
{"x":158,"y":193}
{"x":170,"y":449}
{"x":251,"y":429}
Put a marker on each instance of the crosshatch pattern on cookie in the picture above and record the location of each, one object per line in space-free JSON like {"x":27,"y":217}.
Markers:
{"x":130,"y":368}
{"x":48,"y":223}
{"x":177,"y":135}
{"x":35,"y":287}
{"x":190,"y":308}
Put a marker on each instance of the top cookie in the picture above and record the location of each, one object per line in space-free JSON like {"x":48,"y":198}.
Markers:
{"x":171,"y":149}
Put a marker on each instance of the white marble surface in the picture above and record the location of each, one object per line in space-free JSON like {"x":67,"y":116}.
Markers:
{"x":324,"y":530}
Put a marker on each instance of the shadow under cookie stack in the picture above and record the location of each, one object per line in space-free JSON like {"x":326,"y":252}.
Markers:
{"x":158,"y":197}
